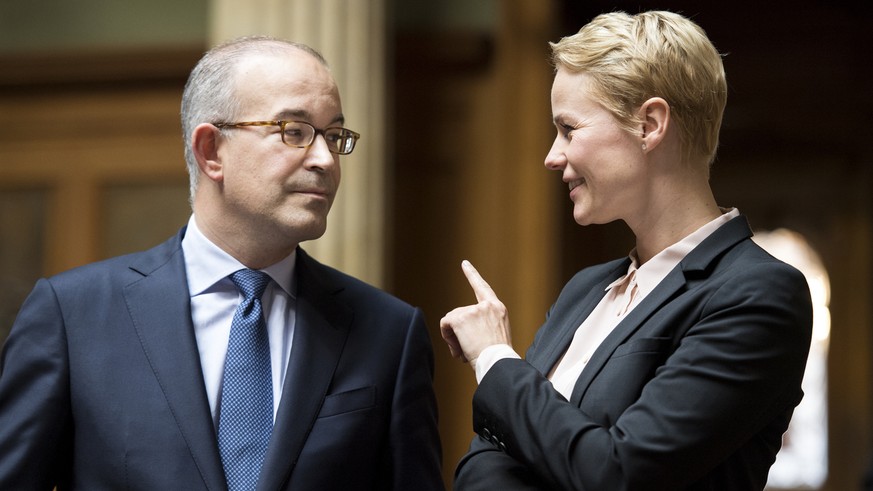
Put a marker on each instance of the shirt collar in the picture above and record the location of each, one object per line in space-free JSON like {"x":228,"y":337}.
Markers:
{"x":656,"y":269}
{"x":207,"y":264}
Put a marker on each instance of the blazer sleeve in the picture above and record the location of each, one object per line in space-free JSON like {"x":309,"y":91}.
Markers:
{"x":415,"y":453}
{"x":486,"y":466}
{"x":734,"y":370}
{"x":35,"y":418}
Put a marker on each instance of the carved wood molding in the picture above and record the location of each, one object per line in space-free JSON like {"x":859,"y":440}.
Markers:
{"x":85,"y":68}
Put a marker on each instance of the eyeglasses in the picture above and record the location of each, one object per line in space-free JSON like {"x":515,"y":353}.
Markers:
{"x":300,"y":134}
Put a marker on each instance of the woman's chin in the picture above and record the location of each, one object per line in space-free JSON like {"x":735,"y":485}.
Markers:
{"x":582,"y":218}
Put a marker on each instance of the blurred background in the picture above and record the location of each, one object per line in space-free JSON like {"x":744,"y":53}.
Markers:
{"x":452,"y":97}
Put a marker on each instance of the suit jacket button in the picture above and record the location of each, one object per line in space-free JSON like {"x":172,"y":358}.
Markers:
{"x":486,"y":434}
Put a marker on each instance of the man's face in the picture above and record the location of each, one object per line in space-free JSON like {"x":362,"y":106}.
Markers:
{"x":271,"y":191}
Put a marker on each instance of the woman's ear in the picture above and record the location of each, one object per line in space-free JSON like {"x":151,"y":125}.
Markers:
{"x":204,"y":142}
{"x":655,"y":114}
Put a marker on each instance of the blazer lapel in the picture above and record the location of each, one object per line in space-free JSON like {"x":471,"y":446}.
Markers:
{"x":569,"y":319}
{"x":321,"y":329}
{"x":160,"y":309}
{"x":692,"y":268}
{"x":674,"y":281}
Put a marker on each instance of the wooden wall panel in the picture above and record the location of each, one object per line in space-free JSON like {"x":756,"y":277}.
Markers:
{"x":78,"y":126}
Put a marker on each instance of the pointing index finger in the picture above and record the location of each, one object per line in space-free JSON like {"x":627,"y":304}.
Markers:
{"x":481,"y":287}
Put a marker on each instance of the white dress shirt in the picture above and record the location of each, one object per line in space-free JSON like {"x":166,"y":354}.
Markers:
{"x":621,"y":297}
{"x":214,"y":299}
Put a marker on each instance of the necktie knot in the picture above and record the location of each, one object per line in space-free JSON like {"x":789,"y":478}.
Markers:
{"x":250,"y":282}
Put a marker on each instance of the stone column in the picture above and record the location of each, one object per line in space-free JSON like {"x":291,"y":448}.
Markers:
{"x":351,"y":36}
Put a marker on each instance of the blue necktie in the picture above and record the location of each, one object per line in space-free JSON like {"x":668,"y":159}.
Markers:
{"x":246,"y":412}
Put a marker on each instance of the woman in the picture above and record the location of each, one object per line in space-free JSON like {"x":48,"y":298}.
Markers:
{"x":677,"y":367}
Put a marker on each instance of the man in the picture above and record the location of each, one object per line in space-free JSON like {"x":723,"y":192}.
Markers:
{"x":227,"y":358}
{"x":677,"y":367}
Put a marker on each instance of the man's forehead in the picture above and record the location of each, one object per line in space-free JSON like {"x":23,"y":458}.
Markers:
{"x":286,"y":83}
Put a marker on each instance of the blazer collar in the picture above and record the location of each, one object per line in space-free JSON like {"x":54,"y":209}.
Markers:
{"x":323,"y":323}
{"x":160,"y":309}
{"x":696,"y":266}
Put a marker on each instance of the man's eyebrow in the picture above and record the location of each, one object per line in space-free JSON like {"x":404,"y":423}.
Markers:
{"x":304,"y":115}
{"x":294,"y":114}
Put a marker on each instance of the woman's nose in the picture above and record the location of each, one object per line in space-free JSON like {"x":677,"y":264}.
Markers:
{"x":555,"y":159}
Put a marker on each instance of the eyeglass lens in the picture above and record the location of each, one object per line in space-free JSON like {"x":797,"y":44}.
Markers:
{"x":299,"y":134}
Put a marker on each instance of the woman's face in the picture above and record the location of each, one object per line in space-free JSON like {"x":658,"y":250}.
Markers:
{"x":601,"y":162}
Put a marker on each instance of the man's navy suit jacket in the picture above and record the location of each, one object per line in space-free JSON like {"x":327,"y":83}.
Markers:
{"x":101,"y":386}
{"x":692,"y":390}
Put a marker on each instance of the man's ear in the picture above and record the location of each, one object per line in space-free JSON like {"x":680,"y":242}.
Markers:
{"x":204,"y":142}
{"x":655,"y":114}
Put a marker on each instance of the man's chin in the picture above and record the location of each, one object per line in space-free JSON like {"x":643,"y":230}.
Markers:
{"x":309,"y":231}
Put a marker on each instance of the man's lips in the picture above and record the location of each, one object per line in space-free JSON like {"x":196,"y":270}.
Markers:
{"x":575,"y":183}
{"x":315,"y":190}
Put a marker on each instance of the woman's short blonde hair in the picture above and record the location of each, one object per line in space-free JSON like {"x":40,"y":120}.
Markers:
{"x":653,"y":54}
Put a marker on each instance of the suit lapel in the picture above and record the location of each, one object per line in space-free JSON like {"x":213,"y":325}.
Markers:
{"x":569,"y":319}
{"x":665,"y":290}
{"x":695,"y":266}
{"x":321,"y":328}
{"x":159,"y":306}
